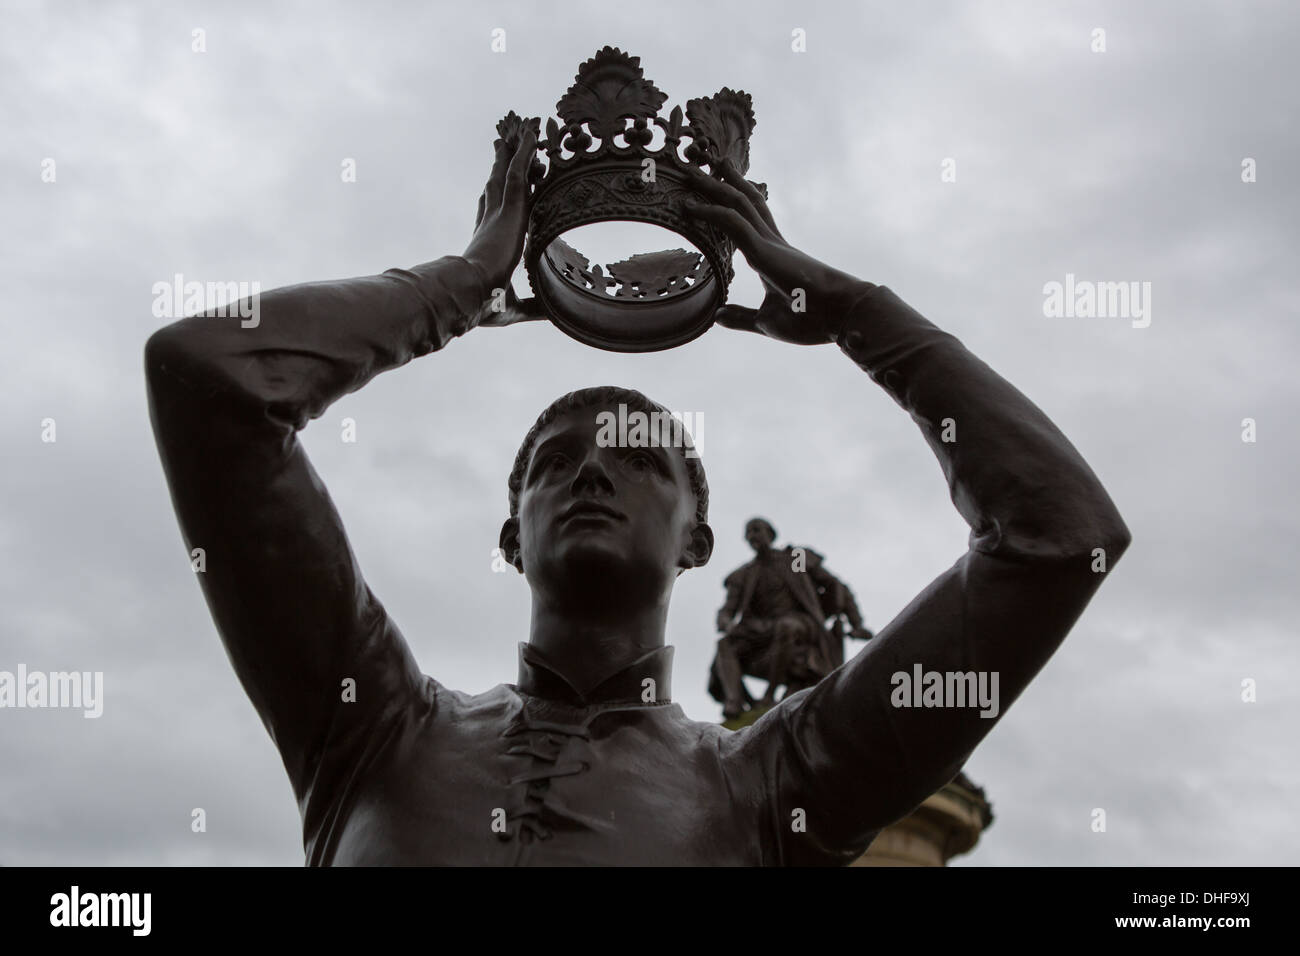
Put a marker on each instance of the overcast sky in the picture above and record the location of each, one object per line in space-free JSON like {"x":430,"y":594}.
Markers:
{"x":1123,"y":165}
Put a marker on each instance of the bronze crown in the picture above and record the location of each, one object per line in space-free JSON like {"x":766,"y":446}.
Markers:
{"x":600,"y":167}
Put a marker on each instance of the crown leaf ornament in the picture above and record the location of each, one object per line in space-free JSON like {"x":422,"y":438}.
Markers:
{"x":602,"y":165}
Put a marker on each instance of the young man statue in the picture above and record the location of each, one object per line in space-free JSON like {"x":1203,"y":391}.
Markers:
{"x":585,"y":759}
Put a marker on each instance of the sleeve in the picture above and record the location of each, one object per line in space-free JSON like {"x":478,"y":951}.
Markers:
{"x":311,"y":644}
{"x":854,"y":753}
{"x":735,"y":585}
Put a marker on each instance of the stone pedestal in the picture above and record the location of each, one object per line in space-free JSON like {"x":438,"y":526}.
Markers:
{"x":948,"y":824}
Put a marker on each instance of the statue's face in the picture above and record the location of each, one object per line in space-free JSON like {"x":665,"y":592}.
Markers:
{"x":758,"y":535}
{"x":603,"y":521}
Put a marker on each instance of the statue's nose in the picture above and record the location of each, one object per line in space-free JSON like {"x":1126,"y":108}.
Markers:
{"x":592,"y":478}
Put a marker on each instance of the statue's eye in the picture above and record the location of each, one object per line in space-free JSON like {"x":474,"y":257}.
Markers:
{"x":550,"y":464}
{"x":641,"y":461}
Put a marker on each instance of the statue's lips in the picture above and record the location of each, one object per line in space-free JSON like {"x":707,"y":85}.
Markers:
{"x":588,"y":509}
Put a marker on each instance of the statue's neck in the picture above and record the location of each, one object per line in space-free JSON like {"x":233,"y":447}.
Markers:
{"x":586,"y":650}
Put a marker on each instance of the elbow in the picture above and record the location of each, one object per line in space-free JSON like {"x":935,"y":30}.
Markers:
{"x":1087,"y":532}
{"x":1106,"y":525}
{"x":1101,"y":536}
{"x":173,"y":361}
{"x":1117,"y":537}
{"x":1100,"y":539}
{"x":169,"y":358}
{"x":175,"y":350}
{"x":160,"y":350}
{"x":1088,"y":525}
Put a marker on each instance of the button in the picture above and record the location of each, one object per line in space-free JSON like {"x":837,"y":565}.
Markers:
{"x":853,"y":342}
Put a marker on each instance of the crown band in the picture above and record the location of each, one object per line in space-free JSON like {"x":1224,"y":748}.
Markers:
{"x":649,"y":302}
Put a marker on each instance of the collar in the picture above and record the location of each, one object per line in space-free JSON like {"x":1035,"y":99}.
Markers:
{"x":538,"y":678}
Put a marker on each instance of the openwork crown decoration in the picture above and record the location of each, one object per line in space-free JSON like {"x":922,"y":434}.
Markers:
{"x":609,"y":157}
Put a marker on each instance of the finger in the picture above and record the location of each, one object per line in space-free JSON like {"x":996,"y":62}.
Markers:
{"x":530,"y":309}
{"x":739,"y":317}
{"x":726,"y":195}
{"x":497,"y":180}
{"x":732,"y":176}
{"x":740,"y":229}
{"x":482,"y":204}
{"x":517,"y":174}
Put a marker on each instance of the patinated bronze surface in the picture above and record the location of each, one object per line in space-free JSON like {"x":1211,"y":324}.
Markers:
{"x":584,"y":758}
{"x":784,"y":620}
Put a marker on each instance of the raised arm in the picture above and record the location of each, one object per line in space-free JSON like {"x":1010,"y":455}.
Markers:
{"x":847,"y":751}
{"x":227,"y":397}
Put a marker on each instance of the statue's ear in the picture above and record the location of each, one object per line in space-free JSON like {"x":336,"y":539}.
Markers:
{"x":699,"y":549}
{"x":509,"y":543}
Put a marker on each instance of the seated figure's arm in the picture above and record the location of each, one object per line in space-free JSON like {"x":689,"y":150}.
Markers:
{"x":839,"y":598}
{"x":735,"y":585}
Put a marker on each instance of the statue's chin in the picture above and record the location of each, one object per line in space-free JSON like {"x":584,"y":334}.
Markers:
{"x":599,"y":572}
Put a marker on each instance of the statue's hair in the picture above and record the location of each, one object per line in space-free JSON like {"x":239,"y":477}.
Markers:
{"x":607,"y":396}
{"x":763,"y":521}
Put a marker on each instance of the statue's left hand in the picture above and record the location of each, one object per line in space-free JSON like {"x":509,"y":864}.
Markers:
{"x":805,"y":298}
{"x":499,"y":231}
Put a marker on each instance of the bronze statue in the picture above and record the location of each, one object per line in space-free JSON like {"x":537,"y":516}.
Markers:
{"x":773,"y":623}
{"x":585,"y":759}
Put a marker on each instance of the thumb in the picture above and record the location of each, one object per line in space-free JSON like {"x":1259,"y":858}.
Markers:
{"x":739,"y":317}
{"x":516,"y":310}
{"x":530,"y":309}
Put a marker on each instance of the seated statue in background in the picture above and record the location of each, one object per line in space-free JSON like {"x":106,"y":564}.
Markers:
{"x":773,"y":624}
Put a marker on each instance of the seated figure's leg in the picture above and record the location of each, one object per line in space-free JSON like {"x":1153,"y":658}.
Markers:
{"x":804,"y":658}
{"x":786,"y":632}
{"x":729,"y":675}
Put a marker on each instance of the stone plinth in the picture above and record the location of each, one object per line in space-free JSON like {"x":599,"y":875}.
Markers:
{"x":948,"y":824}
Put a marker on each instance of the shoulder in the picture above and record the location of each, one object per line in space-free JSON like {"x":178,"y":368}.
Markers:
{"x":499,"y":703}
{"x":813,"y":558}
{"x":734,"y":758}
{"x":672,"y":720}
{"x":739,"y":575}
